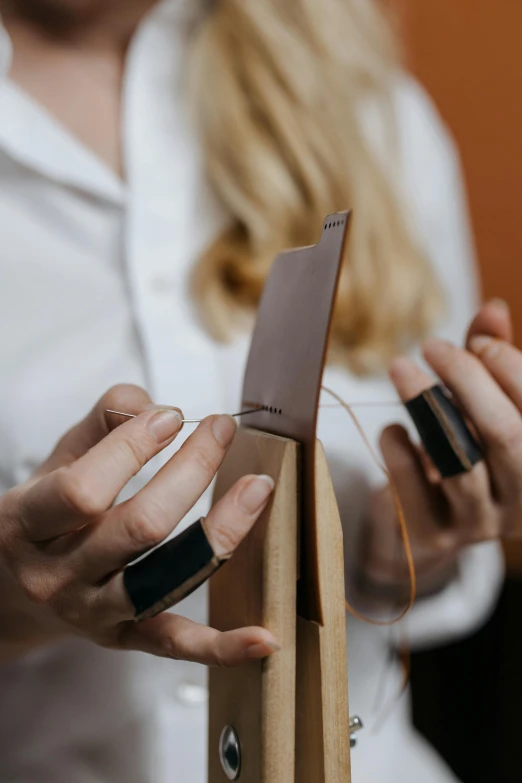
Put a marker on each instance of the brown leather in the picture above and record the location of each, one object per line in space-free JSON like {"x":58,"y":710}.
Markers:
{"x":171,"y":572}
{"x":444,"y":433}
{"x":285,"y":368}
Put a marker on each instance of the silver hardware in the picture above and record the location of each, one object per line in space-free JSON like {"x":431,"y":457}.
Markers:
{"x":356,"y":725}
{"x":183,"y":421}
{"x":230,"y":753}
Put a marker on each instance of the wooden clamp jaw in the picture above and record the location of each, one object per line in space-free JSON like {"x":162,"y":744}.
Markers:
{"x":286,"y":719}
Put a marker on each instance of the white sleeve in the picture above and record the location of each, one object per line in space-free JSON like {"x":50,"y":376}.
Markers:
{"x":435,"y":195}
{"x":464,"y":604}
{"x":5,"y":51}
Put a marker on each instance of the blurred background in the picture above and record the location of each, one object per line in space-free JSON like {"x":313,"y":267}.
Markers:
{"x":467,"y":696}
{"x":468,"y":55}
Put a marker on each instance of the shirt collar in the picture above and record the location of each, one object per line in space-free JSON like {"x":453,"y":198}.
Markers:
{"x":5,"y":51}
{"x":57,"y":154}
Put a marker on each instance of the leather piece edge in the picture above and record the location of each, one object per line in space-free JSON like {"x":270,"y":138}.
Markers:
{"x":443,"y":432}
{"x":171,"y":572}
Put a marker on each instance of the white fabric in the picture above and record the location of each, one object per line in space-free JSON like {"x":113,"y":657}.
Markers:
{"x":93,"y":292}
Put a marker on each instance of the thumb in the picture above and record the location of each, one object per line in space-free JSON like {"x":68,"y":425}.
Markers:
{"x":96,"y":425}
{"x":492,"y":320}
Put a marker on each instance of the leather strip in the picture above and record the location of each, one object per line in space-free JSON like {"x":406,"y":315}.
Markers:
{"x":171,"y":572}
{"x":443,"y":432}
{"x":285,"y":368}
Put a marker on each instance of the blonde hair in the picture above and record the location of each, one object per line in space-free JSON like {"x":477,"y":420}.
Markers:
{"x":279,"y":88}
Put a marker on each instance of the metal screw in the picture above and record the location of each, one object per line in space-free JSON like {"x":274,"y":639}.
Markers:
{"x":356,"y":725}
{"x":230,"y":753}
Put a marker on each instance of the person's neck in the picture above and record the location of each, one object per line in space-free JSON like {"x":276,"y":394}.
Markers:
{"x":108,"y":27}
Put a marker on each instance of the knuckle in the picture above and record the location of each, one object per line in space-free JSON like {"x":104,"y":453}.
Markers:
{"x":475,"y":513}
{"x":489,"y":530}
{"x":218,"y":662}
{"x":144,"y":528}
{"x":486,"y":525}
{"x":219,"y":659}
{"x":77,"y":493}
{"x":511,"y":522}
{"x":470,"y":504}
{"x":135,"y":451}
{"x":39,"y":588}
{"x":505,"y":434}
{"x":443,"y":542}
{"x":205,"y":460}
{"x":225,"y":538}
{"x":70,"y":609}
{"x":12,"y":517}
{"x":471,"y":486}
{"x":471,"y":512}
{"x":170,"y":648}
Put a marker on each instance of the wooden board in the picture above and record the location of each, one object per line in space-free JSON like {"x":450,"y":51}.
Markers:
{"x":322,"y":717}
{"x":258,"y":587}
{"x":291,"y":711}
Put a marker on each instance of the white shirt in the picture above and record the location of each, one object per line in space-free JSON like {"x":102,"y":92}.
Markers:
{"x":93,"y":291}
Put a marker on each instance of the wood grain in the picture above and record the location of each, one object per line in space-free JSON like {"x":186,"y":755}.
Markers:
{"x":258,"y":587}
{"x":291,"y":711}
{"x":322,"y":717}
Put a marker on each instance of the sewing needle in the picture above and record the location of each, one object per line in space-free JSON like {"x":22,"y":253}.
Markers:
{"x":184,"y":421}
{"x":257,"y":410}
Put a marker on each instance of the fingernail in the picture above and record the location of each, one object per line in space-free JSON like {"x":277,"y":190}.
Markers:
{"x":483,"y":345}
{"x":256,"y":493}
{"x":224,"y":429}
{"x":498,"y":302}
{"x":435,"y":347}
{"x":262,"y":650}
{"x":165,"y":424}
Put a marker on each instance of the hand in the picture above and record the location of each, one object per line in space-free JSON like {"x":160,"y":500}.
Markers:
{"x":63,"y":544}
{"x":444,"y":515}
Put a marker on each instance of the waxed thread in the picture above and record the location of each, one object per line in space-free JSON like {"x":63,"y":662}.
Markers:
{"x":403,"y":650}
{"x":400,"y":518}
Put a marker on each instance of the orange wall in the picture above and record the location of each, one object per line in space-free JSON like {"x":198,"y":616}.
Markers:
{"x":468,"y":53}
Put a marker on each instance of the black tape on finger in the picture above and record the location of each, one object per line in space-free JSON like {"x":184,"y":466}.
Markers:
{"x":171,"y":572}
{"x":444,"y":433}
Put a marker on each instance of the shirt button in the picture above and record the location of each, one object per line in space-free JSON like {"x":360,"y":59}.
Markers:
{"x":191,"y":695}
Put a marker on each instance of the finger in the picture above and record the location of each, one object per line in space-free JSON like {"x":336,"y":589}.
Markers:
{"x":424,"y":506}
{"x":408,"y":378}
{"x":172,"y":636}
{"x":235,"y":514}
{"x":494,"y":320}
{"x":503,"y":361}
{"x":225,"y":527}
{"x":70,"y":497}
{"x":410,"y":381}
{"x":144,"y":521}
{"x":96,"y":425}
{"x":178,"y":567}
{"x":469,"y":493}
{"x":473,"y":509}
{"x":494,"y":416}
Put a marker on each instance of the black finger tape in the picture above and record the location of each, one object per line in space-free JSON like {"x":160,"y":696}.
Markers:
{"x":444,"y":433}
{"x":171,"y":572}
